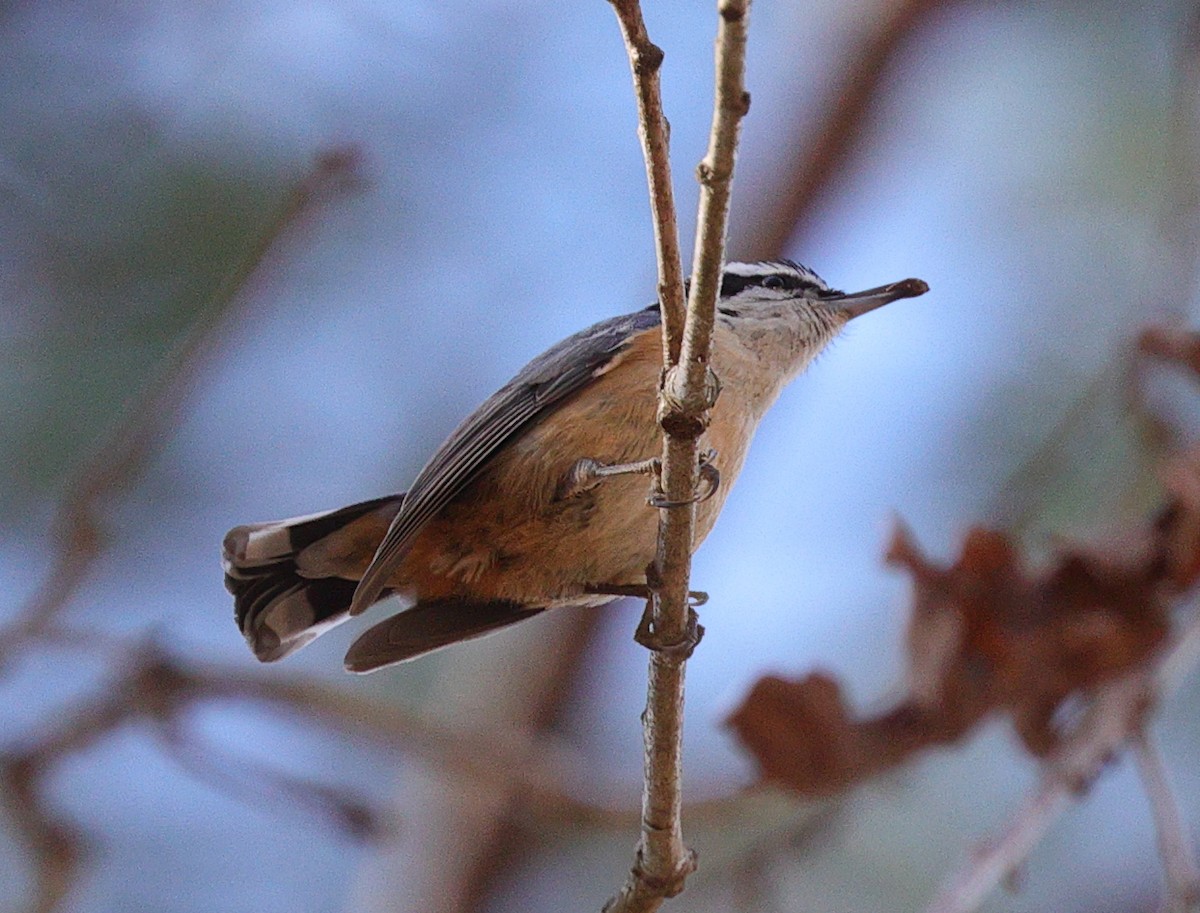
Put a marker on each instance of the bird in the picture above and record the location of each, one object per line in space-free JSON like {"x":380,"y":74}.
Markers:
{"x":534,"y":502}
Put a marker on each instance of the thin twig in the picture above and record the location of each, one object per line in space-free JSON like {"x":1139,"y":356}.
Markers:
{"x":488,"y":825}
{"x":267,"y":787}
{"x":688,"y":392}
{"x":78,"y":529}
{"x":56,"y":847}
{"x":502,"y":759}
{"x":810,"y":173}
{"x":1117,"y":713}
{"x":645,"y":59}
{"x":1174,"y":845}
{"x":154,"y":688}
{"x":662,"y":861}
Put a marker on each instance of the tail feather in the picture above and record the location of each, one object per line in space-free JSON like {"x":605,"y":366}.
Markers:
{"x":292,"y":580}
{"x":429,"y":626}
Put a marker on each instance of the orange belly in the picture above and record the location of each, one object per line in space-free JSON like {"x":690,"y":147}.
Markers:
{"x":508,"y":537}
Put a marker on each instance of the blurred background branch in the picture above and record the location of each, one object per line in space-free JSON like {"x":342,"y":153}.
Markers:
{"x":1020,"y":158}
{"x":150,"y":416}
{"x":1175,"y":845}
{"x":1115,"y":718}
{"x":820,"y":157}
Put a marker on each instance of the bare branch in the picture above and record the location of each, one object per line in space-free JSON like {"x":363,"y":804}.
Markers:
{"x":811,"y":173}
{"x":148,"y":418}
{"x":56,"y":846}
{"x":715,"y":174}
{"x":1174,"y":844}
{"x":645,"y":59}
{"x":1115,"y":716}
{"x":155,"y":689}
{"x":262,"y":785}
{"x":688,"y":392}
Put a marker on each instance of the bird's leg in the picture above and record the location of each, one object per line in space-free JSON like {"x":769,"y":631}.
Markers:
{"x":587,"y":473}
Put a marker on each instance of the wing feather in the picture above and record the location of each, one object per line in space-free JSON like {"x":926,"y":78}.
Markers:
{"x":536,"y":391}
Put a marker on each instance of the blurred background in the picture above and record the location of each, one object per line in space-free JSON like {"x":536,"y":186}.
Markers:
{"x":442,"y":190}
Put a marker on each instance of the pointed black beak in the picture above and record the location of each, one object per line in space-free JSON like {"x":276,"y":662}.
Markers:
{"x":858,"y":303}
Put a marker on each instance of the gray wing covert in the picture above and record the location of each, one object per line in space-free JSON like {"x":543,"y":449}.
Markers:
{"x":537,"y":390}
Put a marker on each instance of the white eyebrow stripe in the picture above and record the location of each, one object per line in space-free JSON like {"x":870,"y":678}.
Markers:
{"x":750,"y":269}
{"x":740,"y":277}
{"x":773,"y":267}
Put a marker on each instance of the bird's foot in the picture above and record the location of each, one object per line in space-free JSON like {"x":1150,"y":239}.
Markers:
{"x":710,"y":478}
{"x":680,"y":647}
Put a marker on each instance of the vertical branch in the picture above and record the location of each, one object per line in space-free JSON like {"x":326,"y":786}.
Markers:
{"x":55,"y":847}
{"x":1174,"y":845}
{"x":663,"y":862}
{"x":645,"y":59}
{"x":689,"y":390}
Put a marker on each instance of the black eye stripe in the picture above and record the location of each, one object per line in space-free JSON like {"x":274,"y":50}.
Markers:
{"x":732,"y":283}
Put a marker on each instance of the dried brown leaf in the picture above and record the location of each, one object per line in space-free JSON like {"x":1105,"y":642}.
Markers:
{"x":1171,"y":344}
{"x":986,"y":634}
{"x":778,"y":721}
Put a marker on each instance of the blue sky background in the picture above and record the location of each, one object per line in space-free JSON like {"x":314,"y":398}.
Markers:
{"x":1022,"y":158}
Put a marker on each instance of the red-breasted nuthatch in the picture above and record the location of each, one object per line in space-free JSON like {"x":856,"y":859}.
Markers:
{"x":517,"y":512}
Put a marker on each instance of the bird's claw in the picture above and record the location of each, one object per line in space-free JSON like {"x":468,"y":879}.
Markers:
{"x":710,"y":476}
{"x":681,"y":647}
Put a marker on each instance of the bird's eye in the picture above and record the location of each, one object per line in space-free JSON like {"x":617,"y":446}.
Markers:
{"x":773,"y":282}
